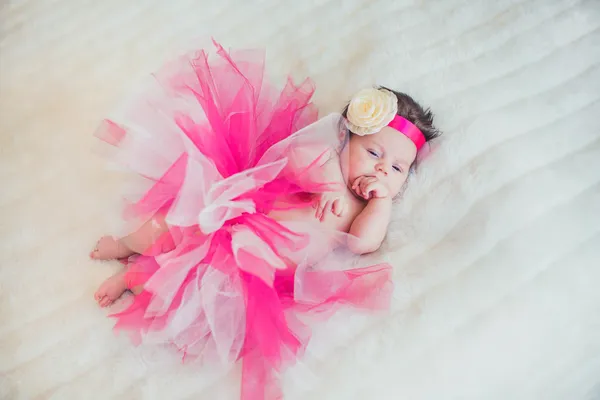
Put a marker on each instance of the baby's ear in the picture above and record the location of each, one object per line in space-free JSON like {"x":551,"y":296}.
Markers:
{"x":426,"y":150}
{"x":423,"y":153}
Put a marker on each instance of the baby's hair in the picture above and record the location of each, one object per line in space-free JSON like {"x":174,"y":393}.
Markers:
{"x":412,"y":111}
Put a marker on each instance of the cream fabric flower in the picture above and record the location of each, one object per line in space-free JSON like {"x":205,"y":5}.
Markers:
{"x":370,"y":110}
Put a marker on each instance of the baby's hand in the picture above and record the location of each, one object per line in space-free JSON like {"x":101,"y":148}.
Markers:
{"x":330,"y":202}
{"x":369,"y":187}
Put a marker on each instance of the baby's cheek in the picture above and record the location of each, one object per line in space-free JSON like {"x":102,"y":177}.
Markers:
{"x":396,"y":186}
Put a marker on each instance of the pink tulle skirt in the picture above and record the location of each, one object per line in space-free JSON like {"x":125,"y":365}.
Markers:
{"x":216,"y":149}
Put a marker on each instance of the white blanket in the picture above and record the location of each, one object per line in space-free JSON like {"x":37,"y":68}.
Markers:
{"x":496,"y":243}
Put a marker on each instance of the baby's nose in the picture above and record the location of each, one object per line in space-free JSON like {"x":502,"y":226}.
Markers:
{"x":381,"y":168}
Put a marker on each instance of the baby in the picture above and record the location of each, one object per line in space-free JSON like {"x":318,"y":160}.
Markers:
{"x":386,"y":129}
{"x":227,"y":259}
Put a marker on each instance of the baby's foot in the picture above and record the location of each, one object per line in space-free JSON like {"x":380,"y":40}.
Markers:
{"x":109,"y":248}
{"x":111,"y":289}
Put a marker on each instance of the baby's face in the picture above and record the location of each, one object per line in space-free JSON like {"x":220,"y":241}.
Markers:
{"x":387,"y":155}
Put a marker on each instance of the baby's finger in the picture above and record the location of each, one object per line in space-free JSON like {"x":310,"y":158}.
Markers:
{"x":105,"y":301}
{"x":365,"y":193}
{"x":359,"y":186}
{"x":373,"y":189}
{"x":359,"y":181}
{"x":368,"y":183}
{"x":359,"y":189}
{"x":370,"y":191}
{"x":325,"y":208}
{"x":319,"y":209}
{"x":364,"y":188}
{"x":337,"y":207}
{"x":370,"y":180}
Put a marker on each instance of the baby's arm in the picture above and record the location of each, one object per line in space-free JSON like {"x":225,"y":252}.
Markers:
{"x":332,"y":200}
{"x":370,"y":226}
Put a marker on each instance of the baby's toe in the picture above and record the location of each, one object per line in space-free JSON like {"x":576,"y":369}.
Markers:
{"x":99,"y":297}
{"x":100,"y":293}
{"x":106,"y":301}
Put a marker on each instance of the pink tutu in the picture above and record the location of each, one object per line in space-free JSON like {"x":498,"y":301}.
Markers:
{"x":217,"y":150}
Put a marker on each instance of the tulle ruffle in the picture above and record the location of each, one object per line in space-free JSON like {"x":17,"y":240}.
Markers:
{"x":218,"y":149}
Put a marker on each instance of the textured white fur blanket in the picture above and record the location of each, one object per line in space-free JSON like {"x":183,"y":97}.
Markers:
{"x":496,"y":244}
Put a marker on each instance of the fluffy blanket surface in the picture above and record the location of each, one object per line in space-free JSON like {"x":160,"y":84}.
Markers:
{"x":495,"y":244}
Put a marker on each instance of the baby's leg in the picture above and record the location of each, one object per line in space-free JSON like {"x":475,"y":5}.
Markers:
{"x":109,"y":248}
{"x":113,"y":288}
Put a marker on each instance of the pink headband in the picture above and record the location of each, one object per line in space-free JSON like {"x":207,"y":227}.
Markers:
{"x":409,"y":130}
